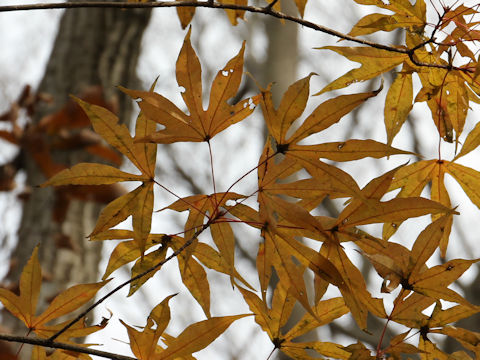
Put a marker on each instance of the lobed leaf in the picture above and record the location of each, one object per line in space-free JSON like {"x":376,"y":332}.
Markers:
{"x":105,"y":123}
{"x":68,"y":301}
{"x":199,"y":125}
{"x":91,"y":174}
{"x":468,"y":178}
{"x":374,"y":62}
{"x":197,"y":336}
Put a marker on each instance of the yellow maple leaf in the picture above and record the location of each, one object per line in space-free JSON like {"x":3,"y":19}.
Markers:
{"x":139,"y":202}
{"x":24,"y":305}
{"x":374,"y":63}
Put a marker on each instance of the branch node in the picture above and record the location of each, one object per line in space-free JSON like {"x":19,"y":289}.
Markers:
{"x":269,"y":7}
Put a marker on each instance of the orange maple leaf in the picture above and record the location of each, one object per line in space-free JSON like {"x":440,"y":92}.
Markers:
{"x":200,"y":125}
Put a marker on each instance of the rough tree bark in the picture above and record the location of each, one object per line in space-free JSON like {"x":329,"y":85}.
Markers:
{"x":94,"y":47}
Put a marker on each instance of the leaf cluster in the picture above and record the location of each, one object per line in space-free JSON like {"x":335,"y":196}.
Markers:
{"x":294,"y":178}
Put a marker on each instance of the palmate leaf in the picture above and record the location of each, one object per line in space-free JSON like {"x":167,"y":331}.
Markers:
{"x":200,"y":125}
{"x":412,"y":179}
{"x":406,"y":15}
{"x":292,"y":105}
{"x":400,"y":266}
{"x":24,"y":306}
{"x":201,"y":208}
{"x":144,"y":344}
{"x":193,"y":275}
{"x":273,"y":319}
{"x":137,"y":203}
{"x":196,"y":337}
{"x":374,"y":63}
{"x":283,"y":221}
{"x":434,"y":281}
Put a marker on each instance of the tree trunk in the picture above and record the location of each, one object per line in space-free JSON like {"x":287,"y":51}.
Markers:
{"x":94,"y":48}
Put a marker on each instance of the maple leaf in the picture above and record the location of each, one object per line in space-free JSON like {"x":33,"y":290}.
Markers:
{"x":23,"y":306}
{"x":447,"y":97}
{"x":413,"y":178}
{"x":280,"y":217}
{"x":272,"y":320}
{"x":400,"y":266}
{"x":406,"y":16}
{"x":195,"y":337}
{"x":200,"y":125}
{"x":292,"y":105}
{"x":144,"y":344}
{"x":205,"y":211}
{"x":439,"y":320}
{"x":139,"y":202}
{"x":374,"y":63}
{"x":193,"y":275}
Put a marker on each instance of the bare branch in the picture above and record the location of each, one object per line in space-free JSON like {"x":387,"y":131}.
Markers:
{"x":59,"y":345}
{"x":125,"y":283}
{"x":248,"y":8}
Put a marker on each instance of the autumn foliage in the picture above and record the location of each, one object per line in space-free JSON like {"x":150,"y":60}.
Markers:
{"x":441,"y":57}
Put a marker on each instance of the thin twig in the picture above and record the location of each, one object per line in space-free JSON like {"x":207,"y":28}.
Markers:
{"x":125,"y":283}
{"x":59,"y":345}
{"x":248,"y":8}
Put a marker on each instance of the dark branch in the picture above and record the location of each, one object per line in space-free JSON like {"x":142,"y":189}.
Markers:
{"x":125,"y":283}
{"x":211,"y":4}
{"x":58,"y":345}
